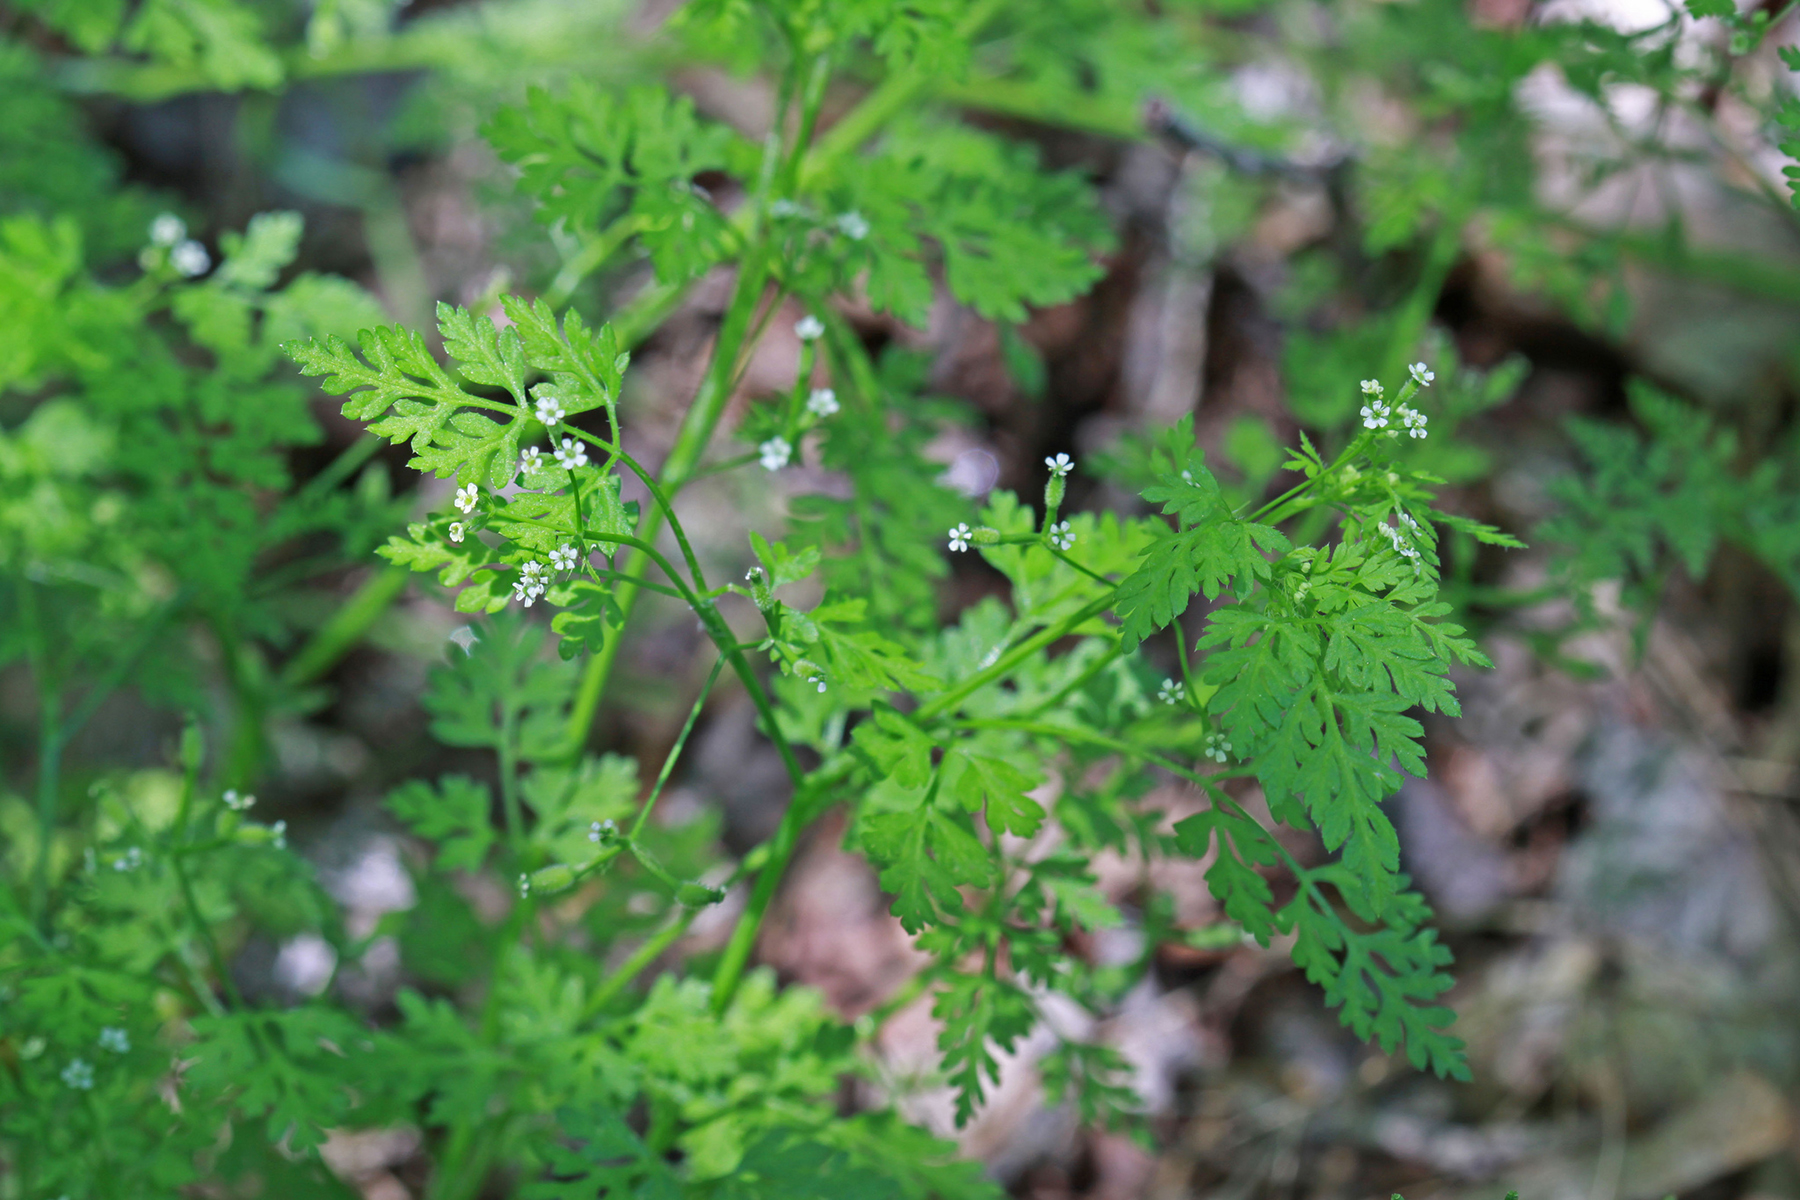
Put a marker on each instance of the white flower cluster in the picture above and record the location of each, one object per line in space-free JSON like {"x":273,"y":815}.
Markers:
{"x":775,"y":453}
{"x":601,"y":829}
{"x":131,"y":860}
{"x":167,"y":229}
{"x":237,"y":802}
{"x":809,"y":328}
{"x":279,"y":829}
{"x":531,"y":582}
{"x":115,"y":1039}
{"x":853,"y":226}
{"x":822,"y":403}
{"x":1172,"y":692}
{"x":1061,"y":537}
{"x":79,"y":1074}
{"x":169,"y":232}
{"x":1060,"y":465}
{"x":959,"y":537}
{"x":1217,"y":748}
{"x":1378,"y":414}
{"x":1402,"y":539}
{"x":524,"y":886}
{"x":571,"y":454}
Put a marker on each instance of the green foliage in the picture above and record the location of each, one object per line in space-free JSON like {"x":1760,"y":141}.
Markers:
{"x":153,"y":536}
{"x":1647,"y":501}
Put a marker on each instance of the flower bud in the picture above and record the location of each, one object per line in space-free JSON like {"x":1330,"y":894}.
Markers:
{"x":698,"y":895}
{"x":555,"y":878}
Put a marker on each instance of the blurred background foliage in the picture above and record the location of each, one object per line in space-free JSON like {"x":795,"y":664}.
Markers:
{"x":1582,"y":206}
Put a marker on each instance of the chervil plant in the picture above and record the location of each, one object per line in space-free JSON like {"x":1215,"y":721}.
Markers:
{"x":1268,"y":654}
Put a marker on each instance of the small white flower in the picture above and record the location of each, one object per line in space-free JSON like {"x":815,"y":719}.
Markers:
{"x":1217,"y":748}
{"x":1421,"y":374}
{"x":167,"y":229}
{"x":1187,"y":476}
{"x":79,"y":1074}
{"x":822,"y":403}
{"x":809,"y":328}
{"x":1414,"y":421}
{"x":131,"y":860}
{"x":280,"y":839}
{"x":1375,"y":415}
{"x":458,"y":531}
{"x":775,"y":453}
{"x":571,"y":454}
{"x":190,"y":258}
{"x":531,"y":459}
{"x":1172,"y":692}
{"x":524,"y":886}
{"x":600,"y":829}
{"x":853,"y":226}
{"x":1372,"y":387}
{"x":115,"y":1039}
{"x":785,"y":208}
{"x":550,"y":410}
{"x":1061,"y":537}
{"x":530,"y":583}
{"x":466,"y":496}
{"x":563,"y":558}
{"x":1060,"y":465}
{"x":959,"y":537}
{"x":818,"y":679}
{"x":237,"y":802}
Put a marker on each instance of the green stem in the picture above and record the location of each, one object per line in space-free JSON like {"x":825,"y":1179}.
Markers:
{"x":888,"y":100}
{"x":345,"y":627}
{"x":800,"y":813}
{"x":49,"y":781}
{"x":691,"y":440}
{"x":642,"y":957}
{"x":178,"y":863}
{"x":1415,"y":313}
{"x":509,"y":785}
{"x":674,"y":753}
{"x":948,"y":701}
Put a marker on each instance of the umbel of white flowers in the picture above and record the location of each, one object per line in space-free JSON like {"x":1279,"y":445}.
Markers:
{"x":775,"y":453}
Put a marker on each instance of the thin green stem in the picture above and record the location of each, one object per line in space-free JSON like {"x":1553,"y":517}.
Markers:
{"x":668,"y":767}
{"x":948,"y":701}
{"x":509,"y":784}
{"x":800,"y":813}
{"x":178,"y":864}
{"x":652,"y":949}
{"x":345,"y":627}
{"x":887,"y":101}
{"x":49,"y":781}
{"x":1094,"y":575}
